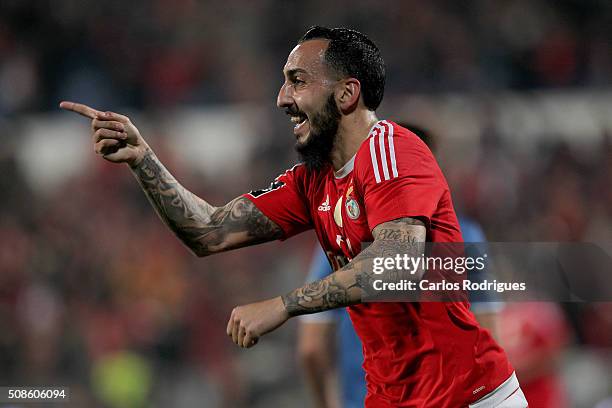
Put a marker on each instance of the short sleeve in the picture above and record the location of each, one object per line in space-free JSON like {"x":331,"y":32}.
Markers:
{"x":284,"y":202}
{"x":398,"y":176}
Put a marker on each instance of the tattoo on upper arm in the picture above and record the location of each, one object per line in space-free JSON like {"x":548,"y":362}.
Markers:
{"x":202,"y":227}
{"x":352,"y":283}
{"x":241,"y":216}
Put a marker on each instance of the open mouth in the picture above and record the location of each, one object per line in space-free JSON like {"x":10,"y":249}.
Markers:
{"x":300,"y":124}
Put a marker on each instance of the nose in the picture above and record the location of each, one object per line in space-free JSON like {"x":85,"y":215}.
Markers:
{"x":284,"y":100}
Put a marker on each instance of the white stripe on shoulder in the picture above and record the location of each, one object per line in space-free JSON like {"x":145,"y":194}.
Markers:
{"x":372,"y":131}
{"x":373,"y":156}
{"x":383,"y":153}
{"x":391,"y":149}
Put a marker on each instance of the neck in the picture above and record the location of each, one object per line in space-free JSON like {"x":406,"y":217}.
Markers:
{"x":352,"y":131}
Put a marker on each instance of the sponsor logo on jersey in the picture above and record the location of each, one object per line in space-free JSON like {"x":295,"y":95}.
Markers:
{"x":325,"y":205}
{"x":337,"y":260}
{"x":477,"y":390}
{"x":352,"y":208}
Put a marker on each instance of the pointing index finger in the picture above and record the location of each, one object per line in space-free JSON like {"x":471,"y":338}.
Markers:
{"x":79,"y":108}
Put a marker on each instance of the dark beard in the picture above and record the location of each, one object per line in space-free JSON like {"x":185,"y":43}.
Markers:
{"x":323,"y":129}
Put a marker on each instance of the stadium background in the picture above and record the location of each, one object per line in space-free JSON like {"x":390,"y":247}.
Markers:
{"x":96,"y":294}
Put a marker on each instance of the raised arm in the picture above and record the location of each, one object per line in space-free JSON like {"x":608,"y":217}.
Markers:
{"x":347,"y":286}
{"x":202,"y":227}
{"x":205,"y":229}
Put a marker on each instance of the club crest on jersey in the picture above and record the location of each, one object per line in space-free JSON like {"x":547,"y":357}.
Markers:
{"x":352,"y":208}
{"x":325,"y":205}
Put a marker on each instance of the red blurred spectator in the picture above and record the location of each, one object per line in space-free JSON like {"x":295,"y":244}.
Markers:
{"x":534,"y":335}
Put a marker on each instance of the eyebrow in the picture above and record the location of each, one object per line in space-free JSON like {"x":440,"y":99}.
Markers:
{"x":294,"y":71}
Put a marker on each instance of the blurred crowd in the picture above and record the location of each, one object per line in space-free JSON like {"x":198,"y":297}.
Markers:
{"x":96,"y":294}
{"x":163,"y":52}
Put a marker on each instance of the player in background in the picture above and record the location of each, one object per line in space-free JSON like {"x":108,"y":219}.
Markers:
{"x":328,"y":347}
{"x":484,"y":304}
{"x":537,"y":347}
{"x":329,"y":351}
{"x":362,"y":180}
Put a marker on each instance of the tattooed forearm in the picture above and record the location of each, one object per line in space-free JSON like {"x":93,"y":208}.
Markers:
{"x":317,"y":296}
{"x":205,"y":229}
{"x":350,"y":284}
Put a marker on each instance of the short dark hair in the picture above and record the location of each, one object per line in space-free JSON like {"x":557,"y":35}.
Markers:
{"x":352,"y":54}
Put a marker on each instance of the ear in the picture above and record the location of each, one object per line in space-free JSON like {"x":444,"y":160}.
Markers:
{"x":348,"y":92}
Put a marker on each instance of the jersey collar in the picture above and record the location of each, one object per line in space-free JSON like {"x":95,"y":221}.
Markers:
{"x":349,"y":165}
{"x":346,"y":169}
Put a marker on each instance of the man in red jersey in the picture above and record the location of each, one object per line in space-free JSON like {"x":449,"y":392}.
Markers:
{"x":362,"y":180}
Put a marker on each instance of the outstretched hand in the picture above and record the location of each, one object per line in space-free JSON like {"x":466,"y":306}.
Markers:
{"x":114,"y":136}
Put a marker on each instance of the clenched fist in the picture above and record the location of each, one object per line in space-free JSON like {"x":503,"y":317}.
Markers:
{"x":115,"y":138}
{"x":249,"y":322}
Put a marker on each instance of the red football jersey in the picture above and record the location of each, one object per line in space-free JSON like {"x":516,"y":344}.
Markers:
{"x":427,"y":354}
